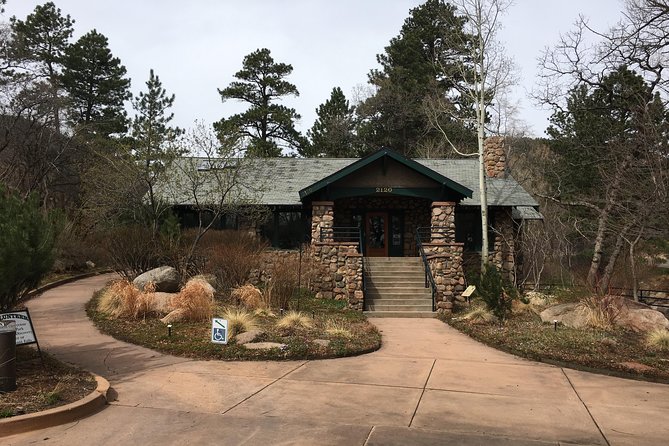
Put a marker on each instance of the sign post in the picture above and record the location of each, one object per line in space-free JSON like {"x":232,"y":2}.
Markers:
{"x":219,"y":331}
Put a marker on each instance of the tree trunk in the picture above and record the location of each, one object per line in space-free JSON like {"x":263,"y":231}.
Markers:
{"x":608,"y":271}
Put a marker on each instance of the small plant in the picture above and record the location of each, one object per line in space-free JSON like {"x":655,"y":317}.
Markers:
{"x":337,"y":329}
{"x":294,"y":319}
{"x":239,"y":321}
{"x":195,"y":300}
{"x":658,"y":339}
{"x":6,"y":413}
{"x":54,"y":396}
{"x":264,"y":312}
{"x":248,"y":296}
{"x":478,"y":315}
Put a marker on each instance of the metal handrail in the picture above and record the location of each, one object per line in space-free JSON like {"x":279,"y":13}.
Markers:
{"x":351,"y":234}
{"x":429,"y":278}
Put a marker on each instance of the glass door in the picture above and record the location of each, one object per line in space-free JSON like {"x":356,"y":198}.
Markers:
{"x":376,"y":234}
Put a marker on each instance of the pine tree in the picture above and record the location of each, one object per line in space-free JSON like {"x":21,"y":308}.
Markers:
{"x":266,"y":125}
{"x":38,"y":46}
{"x":96,"y":83}
{"x":333,"y":132}
{"x":153,"y":138}
{"x":413,"y":69}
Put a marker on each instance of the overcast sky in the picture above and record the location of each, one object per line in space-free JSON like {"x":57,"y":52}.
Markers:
{"x":197,"y":46}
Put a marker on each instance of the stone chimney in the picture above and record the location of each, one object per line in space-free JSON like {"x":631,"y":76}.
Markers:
{"x":494,"y":157}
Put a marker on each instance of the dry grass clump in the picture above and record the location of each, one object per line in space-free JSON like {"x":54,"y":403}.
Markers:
{"x":658,"y":339}
{"x":232,"y":255}
{"x":294,"y":319}
{"x":123,"y":299}
{"x":264,"y":312}
{"x":337,"y":329}
{"x":248,"y":296}
{"x":195,"y":301}
{"x":601,"y":312}
{"x":478,"y":315}
{"x":282,"y":285}
{"x":239,"y":321}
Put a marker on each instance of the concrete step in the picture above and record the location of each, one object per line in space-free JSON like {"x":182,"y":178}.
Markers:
{"x":394,"y":267}
{"x":399,"y":301}
{"x":399,"y":308}
{"x":400,"y":314}
{"x":415,"y":293}
{"x":385,"y":282}
{"x":381,"y":260}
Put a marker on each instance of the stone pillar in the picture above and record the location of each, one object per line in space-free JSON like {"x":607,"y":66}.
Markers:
{"x":443,"y":219}
{"x":322,"y":217}
{"x":503,"y":254}
{"x":494,"y":157}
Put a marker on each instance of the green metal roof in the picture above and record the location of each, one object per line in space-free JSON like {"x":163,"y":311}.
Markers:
{"x":411,"y":164}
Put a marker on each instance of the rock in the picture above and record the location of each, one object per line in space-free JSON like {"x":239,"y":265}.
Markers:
{"x":173,"y":316}
{"x":642,"y":320}
{"x":162,"y":301}
{"x":165,"y":279}
{"x":637,"y":367}
{"x":248,"y":336}
{"x":89,"y":264}
{"x":325,"y":343}
{"x":571,"y":314}
{"x":264,"y":345}
{"x":209,"y":278}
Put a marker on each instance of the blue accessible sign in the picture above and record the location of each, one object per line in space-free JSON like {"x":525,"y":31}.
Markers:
{"x":219,"y":331}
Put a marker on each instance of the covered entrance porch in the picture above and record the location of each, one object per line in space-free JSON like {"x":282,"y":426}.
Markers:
{"x":376,"y":207}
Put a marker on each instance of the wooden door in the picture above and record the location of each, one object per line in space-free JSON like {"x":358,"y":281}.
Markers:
{"x":376,"y":234}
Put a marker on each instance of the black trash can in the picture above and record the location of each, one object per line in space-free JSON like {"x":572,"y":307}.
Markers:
{"x":7,"y":356}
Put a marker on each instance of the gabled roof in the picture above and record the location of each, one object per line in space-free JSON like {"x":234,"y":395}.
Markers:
{"x":409,"y":163}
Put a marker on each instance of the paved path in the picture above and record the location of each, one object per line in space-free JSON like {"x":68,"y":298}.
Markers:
{"x":428,"y":384}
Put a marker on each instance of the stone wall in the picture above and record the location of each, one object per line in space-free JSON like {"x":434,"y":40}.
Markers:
{"x":340,"y":272}
{"x":494,"y":157}
{"x":416,"y":213}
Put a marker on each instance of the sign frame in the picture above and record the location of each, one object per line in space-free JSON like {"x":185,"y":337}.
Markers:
{"x":218,"y":325}
{"x":23,"y":321}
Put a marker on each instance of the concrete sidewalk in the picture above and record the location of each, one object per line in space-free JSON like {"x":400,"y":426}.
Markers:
{"x":427,"y":385}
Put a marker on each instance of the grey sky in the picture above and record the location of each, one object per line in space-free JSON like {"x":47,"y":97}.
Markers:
{"x":196,"y":47}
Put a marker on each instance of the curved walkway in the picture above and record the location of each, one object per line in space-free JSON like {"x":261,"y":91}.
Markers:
{"x":428,"y":384}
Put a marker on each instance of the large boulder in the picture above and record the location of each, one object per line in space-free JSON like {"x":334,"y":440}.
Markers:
{"x":162,"y":302}
{"x":571,"y":314}
{"x":642,"y":320}
{"x":165,"y":278}
{"x":631,"y":315}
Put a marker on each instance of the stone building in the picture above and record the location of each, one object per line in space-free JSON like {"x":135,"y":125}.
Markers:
{"x":413,"y":213}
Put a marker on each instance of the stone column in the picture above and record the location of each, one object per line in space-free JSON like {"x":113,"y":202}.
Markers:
{"x":503,"y":255}
{"x":322,"y":217}
{"x":494,"y":157}
{"x":443,"y":219}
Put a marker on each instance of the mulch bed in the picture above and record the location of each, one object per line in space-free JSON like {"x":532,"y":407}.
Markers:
{"x":41,"y":387}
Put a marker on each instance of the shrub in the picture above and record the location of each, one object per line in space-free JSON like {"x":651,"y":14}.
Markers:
{"x":195,"y":301}
{"x":239,"y":321}
{"x":658,"y":339}
{"x":27,"y":238}
{"x":132,"y":250}
{"x":497,"y":294}
{"x":248,"y":296}
{"x":294,"y":319}
{"x":231,"y":255}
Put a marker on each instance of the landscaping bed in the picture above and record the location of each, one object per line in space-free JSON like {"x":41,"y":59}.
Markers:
{"x":332,"y":331}
{"x":41,"y":387}
{"x":612,"y":350}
